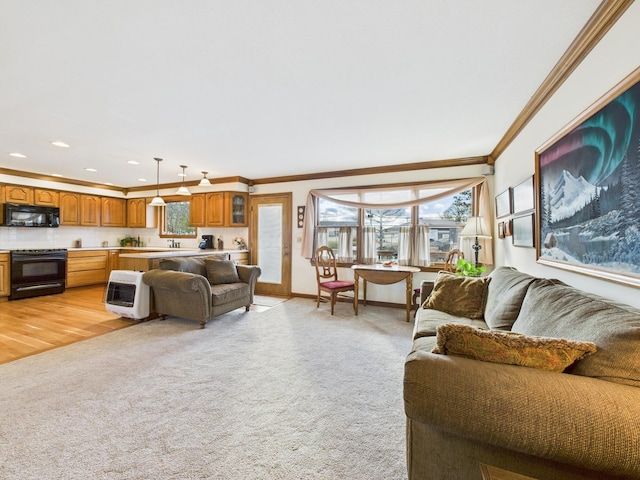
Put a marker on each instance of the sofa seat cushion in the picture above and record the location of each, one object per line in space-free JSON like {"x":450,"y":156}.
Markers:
{"x":428,"y":321}
{"x":553,"y":354}
{"x":504,"y":297}
{"x":221,"y":271}
{"x":556,"y":310}
{"x":458,"y":295}
{"x":228,"y":292}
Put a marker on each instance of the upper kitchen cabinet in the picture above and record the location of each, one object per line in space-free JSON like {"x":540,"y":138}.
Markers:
{"x":46,"y":198}
{"x":114,"y":212}
{"x":219,"y":209}
{"x":69,"y":208}
{"x":236,"y":209}
{"x":90,"y":207}
{"x":139,"y":214}
{"x":79,"y":209}
{"x":18,"y":194}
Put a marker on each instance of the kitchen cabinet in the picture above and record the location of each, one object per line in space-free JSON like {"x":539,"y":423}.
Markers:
{"x":197,"y":215}
{"x":215,"y":209}
{"x":69,"y":208}
{"x":18,"y":194}
{"x":140,"y":214}
{"x":80,"y":209}
{"x":46,"y":198}
{"x":90,"y":207}
{"x":113,"y":212}
{"x":5,"y":279}
{"x":112,"y":261}
{"x":235,"y":209}
{"x":219,"y":209}
{"x":86,"y":267}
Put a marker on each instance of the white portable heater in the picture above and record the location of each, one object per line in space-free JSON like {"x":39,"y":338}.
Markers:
{"x":127,"y":295}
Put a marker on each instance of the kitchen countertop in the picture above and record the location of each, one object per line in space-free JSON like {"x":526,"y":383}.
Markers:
{"x":178,"y":252}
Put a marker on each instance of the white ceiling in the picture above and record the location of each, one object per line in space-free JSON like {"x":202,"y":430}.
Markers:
{"x":264,"y":88}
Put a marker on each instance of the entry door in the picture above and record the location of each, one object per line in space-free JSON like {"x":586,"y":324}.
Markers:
{"x":271,"y":242}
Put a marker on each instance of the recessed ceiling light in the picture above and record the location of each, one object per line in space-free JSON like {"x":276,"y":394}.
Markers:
{"x":17,"y":155}
{"x":56,"y":175}
{"x":142,"y":179}
{"x":58,"y":143}
{"x":133,"y":162}
{"x":91,"y":170}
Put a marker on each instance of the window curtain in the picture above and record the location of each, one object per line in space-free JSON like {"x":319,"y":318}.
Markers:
{"x":421,"y":257}
{"x":369,"y":245}
{"x":404,"y":245}
{"x":345,"y":244}
{"x":441,"y":189}
{"x":322,"y":236}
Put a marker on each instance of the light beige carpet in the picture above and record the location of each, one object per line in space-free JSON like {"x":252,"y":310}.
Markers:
{"x":287,"y":393}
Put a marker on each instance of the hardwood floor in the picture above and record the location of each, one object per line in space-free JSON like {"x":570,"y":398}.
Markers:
{"x":34,"y":325}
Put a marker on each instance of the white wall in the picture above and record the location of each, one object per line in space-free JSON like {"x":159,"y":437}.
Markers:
{"x":612,"y":60}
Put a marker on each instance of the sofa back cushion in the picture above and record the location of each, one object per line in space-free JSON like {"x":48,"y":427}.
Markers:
{"x":457,"y":295}
{"x":561,"y":311}
{"x":504,"y":298}
{"x":221,"y":271}
{"x":184,"y":264}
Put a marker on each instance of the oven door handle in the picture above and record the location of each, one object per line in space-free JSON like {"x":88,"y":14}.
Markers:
{"x":38,"y":287}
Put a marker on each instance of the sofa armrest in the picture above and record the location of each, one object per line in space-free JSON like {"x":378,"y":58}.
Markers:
{"x":181,"y":294}
{"x":577,"y":420}
{"x":249,"y":274}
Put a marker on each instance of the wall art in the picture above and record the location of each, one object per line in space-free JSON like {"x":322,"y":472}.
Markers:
{"x":588,"y":190}
{"x":523,"y":196}
{"x":522,"y":230}
{"x":503,"y":204}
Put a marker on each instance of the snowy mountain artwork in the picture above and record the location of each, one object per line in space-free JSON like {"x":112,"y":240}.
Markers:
{"x":589,"y":192}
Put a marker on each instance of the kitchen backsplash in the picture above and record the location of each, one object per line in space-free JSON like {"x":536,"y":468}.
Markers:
{"x":13,"y":238}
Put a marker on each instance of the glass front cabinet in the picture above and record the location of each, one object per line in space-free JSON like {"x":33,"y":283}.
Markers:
{"x":236,"y":205}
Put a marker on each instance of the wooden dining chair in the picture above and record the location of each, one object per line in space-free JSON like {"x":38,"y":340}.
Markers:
{"x":451,"y":262}
{"x":327,"y":277}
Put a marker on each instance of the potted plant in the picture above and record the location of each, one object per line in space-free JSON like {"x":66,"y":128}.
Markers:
{"x":468,"y":269}
{"x":128,"y":241}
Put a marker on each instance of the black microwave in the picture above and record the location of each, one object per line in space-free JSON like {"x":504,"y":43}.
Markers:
{"x":16,"y":215}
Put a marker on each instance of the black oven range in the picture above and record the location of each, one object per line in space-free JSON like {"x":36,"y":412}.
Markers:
{"x":37,"y":272}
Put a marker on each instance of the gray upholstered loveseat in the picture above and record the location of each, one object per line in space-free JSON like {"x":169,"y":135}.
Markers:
{"x":580,"y":424}
{"x":201,"y":288}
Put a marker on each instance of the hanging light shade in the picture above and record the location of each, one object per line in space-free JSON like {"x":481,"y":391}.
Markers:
{"x":205,"y":181}
{"x":183,"y":190}
{"x":157,"y":200}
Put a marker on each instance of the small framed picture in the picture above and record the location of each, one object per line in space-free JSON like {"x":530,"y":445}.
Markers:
{"x":501,"y":230}
{"x":523,"y":231}
{"x":507,"y":228}
{"x":523,"y":196}
{"x":503,"y":204}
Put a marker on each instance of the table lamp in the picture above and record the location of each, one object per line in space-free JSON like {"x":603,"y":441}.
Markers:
{"x":476,"y":227}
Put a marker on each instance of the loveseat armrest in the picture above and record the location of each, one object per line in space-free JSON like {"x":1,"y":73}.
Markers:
{"x":581,"y":421}
{"x":182,"y":294}
{"x":249,"y":274}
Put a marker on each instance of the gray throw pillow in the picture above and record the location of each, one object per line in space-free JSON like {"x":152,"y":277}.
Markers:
{"x":221,"y":271}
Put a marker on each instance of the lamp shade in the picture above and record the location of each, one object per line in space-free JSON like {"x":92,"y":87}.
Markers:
{"x":205,"y":181}
{"x":475,"y":227}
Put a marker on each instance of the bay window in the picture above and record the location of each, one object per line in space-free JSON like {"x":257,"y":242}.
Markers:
{"x":409,"y":224}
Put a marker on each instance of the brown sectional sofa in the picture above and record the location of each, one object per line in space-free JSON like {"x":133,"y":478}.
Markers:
{"x":580,"y":424}
{"x":201,"y":288}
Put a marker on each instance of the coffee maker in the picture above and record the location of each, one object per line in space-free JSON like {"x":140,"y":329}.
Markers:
{"x":207,"y":242}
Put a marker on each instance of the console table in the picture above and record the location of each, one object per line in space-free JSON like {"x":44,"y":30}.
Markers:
{"x":383,"y":275}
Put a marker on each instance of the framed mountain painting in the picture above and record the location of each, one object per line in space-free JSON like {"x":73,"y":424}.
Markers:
{"x":588,"y":190}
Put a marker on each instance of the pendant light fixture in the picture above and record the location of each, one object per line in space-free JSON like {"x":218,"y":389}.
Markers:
{"x":205,"y":181}
{"x":157,"y":200}
{"x":183,"y":190}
